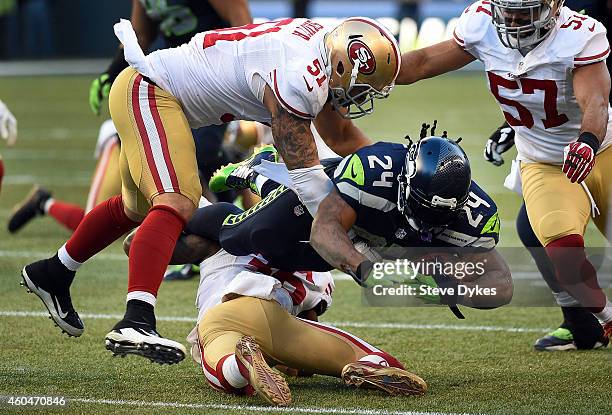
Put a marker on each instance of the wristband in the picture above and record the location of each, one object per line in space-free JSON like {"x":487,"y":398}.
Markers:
{"x":590,"y":139}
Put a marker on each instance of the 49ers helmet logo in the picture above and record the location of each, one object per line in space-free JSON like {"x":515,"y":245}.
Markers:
{"x":362,"y":56}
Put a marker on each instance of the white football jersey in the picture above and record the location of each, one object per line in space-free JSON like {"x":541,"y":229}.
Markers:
{"x":250,"y":275}
{"x":221,"y":75}
{"x":535,"y":92}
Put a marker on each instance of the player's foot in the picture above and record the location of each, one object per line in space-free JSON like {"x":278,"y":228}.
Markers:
{"x":562,"y":339}
{"x":241,"y":175}
{"x":28,"y":209}
{"x":268,"y":383}
{"x":50,"y":281}
{"x":181,"y":272}
{"x":141,"y":339}
{"x":392,"y":380}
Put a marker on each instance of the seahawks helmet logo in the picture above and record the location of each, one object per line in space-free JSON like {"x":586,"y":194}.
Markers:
{"x":361,"y":55}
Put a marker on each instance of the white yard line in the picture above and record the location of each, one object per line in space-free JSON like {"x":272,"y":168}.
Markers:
{"x":253,"y":408}
{"x":353,"y":324}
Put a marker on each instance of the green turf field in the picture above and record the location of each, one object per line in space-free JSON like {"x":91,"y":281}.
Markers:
{"x":484,"y":364}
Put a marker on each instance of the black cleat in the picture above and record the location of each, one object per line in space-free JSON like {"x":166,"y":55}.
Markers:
{"x":141,"y":339}
{"x":50,"y":281}
{"x":28,"y":209}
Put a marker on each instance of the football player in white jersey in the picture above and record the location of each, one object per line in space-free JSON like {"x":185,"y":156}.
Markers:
{"x":8,"y":131}
{"x":545,"y":65}
{"x":247,"y":310}
{"x":286,"y":73}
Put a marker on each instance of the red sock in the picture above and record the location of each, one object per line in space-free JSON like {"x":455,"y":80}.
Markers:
{"x":67,"y":214}
{"x":103,"y":225}
{"x":1,"y":172}
{"x":152,"y":248}
{"x":575,"y":273}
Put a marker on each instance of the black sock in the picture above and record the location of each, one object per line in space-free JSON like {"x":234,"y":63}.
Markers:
{"x":584,"y":326}
{"x":141,"y":312}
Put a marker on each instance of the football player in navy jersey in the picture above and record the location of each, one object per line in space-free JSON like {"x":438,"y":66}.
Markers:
{"x":386,"y":195}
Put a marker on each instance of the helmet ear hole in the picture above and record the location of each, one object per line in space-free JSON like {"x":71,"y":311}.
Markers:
{"x":340,"y":68}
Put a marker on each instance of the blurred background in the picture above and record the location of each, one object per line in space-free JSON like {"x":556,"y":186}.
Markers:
{"x":32,"y":29}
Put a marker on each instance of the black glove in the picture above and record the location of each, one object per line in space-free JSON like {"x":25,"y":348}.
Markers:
{"x":500,"y":141}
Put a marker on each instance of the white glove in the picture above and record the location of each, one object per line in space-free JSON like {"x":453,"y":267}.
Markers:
{"x":8,"y":125}
{"x":312,"y":186}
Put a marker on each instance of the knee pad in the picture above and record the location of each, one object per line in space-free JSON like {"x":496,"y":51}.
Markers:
{"x":555,"y":225}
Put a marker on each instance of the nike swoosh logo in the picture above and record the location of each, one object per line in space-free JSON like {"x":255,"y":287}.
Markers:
{"x":59,"y":308}
{"x":353,"y":174}
{"x":307,"y":84}
{"x":592,"y":28}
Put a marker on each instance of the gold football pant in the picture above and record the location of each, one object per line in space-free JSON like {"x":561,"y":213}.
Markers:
{"x":157,"y":148}
{"x":106,"y":181}
{"x":558,"y":207}
{"x":284,"y":339}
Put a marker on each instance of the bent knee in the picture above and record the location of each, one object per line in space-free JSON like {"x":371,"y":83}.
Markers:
{"x":557,"y":224}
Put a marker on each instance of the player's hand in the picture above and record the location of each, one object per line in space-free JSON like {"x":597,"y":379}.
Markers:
{"x":98,"y":92}
{"x":579,"y":157}
{"x":8,"y":125}
{"x":500,"y":141}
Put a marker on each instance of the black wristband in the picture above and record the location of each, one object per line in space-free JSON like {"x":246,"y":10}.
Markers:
{"x":590,"y":139}
{"x":117,"y":65}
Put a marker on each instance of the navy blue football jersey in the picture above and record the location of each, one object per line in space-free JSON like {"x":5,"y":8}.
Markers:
{"x":179,"y":20}
{"x":367,"y":181}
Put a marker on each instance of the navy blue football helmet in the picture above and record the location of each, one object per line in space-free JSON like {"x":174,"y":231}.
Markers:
{"x":434,"y":184}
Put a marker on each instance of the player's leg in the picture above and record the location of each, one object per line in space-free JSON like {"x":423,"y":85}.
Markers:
{"x":312,"y":347}
{"x":600,"y":186}
{"x":159,"y":172}
{"x":580,"y":329}
{"x":1,"y":171}
{"x":231,"y":340}
{"x":277,"y":227}
{"x":559,"y":212}
{"x":106,"y":183}
{"x":210,"y":155}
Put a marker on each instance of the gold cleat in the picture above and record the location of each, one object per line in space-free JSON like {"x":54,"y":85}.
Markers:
{"x":392,"y":380}
{"x":269,"y":384}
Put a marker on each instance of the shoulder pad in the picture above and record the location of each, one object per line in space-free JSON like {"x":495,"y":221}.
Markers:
{"x":473,"y":24}
{"x":582,"y":37}
{"x":299,"y":91}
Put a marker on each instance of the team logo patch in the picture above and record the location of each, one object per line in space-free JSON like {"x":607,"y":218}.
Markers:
{"x":361,"y":54}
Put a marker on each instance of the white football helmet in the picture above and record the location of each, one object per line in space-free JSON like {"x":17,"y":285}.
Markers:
{"x":522,"y":24}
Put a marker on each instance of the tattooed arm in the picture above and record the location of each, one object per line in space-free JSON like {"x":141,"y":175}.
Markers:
{"x":296,"y":144}
{"x":329,"y":234}
{"x":292,"y":135}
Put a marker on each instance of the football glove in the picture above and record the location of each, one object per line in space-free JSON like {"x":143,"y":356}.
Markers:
{"x":579,"y":157}
{"x":500,"y":141}
{"x":98,"y":91}
{"x":8,"y":125}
